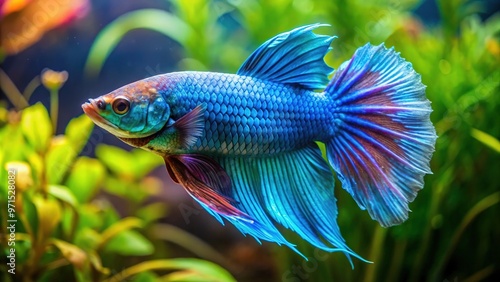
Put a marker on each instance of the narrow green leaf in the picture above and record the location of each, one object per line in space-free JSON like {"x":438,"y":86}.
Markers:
{"x":72,"y":253}
{"x":188,"y":241}
{"x":147,"y":276}
{"x":205,"y":270}
{"x":185,"y":275}
{"x":64,"y":194}
{"x":96,"y":262}
{"x":129,"y":243}
{"x":486,"y":139}
{"x":152,"y":19}
{"x":119,"y":227}
{"x":36,"y":126}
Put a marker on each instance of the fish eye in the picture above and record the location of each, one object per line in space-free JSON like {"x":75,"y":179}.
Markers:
{"x":121,"y":105}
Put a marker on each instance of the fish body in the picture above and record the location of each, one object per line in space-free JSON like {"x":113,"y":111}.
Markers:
{"x":244,"y":145}
{"x":246,"y":115}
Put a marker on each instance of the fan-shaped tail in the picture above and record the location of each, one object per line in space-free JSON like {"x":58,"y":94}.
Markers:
{"x":382,"y":137}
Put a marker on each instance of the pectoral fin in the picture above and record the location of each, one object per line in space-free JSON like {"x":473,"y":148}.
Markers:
{"x":191,"y":125}
{"x":206,"y":181}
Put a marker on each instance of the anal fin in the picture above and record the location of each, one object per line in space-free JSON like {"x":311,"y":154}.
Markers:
{"x":294,"y":189}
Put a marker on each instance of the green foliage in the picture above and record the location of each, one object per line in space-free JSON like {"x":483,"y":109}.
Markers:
{"x":64,"y":229}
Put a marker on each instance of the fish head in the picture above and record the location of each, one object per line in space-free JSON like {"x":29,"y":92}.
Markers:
{"x":136,"y":110}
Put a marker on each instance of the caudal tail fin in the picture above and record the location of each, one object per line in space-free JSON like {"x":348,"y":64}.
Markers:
{"x":383,"y":138}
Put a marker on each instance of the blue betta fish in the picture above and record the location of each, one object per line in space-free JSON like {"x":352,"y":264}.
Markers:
{"x":244,"y":145}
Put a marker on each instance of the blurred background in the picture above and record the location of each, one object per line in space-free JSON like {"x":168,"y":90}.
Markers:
{"x":91,"y":209}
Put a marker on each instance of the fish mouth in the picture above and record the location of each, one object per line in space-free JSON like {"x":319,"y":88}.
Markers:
{"x":90,"y":109}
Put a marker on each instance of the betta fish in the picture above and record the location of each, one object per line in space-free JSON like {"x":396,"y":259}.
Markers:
{"x":245,"y":145}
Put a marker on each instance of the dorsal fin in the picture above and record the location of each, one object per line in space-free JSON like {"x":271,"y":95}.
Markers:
{"x":294,"y":57}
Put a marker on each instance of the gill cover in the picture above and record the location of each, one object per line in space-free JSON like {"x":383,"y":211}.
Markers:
{"x":147,"y":111}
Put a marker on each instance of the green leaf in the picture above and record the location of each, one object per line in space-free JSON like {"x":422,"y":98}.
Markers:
{"x":122,"y":187}
{"x":201,"y":270}
{"x":486,"y":139}
{"x":146,"y":276}
{"x":108,"y":214}
{"x":152,"y":212}
{"x":186,"y":240}
{"x":135,"y":164}
{"x":64,"y":194}
{"x":130,"y":243}
{"x":78,"y":132}
{"x":116,"y":159}
{"x":95,"y":260}
{"x":152,"y":19}
{"x":85,"y":177}
{"x":144,"y":162}
{"x":58,"y":160}
{"x":36,"y":126}
{"x":37,"y":165}
{"x":87,"y":238}
{"x":49,"y":215}
{"x":119,"y":227}
{"x":72,"y":253}
{"x":90,"y":217}
{"x":13,"y":144}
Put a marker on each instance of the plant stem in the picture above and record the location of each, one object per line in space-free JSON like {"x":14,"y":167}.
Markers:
{"x":190,"y":242}
{"x":482,"y":274}
{"x":11,"y":91}
{"x":54,"y":108}
{"x":478,"y":208}
{"x":31,"y":87}
{"x":397,"y":260}
{"x":375,"y":251}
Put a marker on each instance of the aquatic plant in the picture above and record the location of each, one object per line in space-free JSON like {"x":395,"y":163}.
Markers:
{"x":58,"y":224}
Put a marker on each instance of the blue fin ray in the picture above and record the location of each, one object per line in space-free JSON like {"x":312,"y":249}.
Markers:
{"x":207,"y":182}
{"x":294,"y":57}
{"x":294,"y":189}
{"x":246,"y":191}
{"x":382,"y":139}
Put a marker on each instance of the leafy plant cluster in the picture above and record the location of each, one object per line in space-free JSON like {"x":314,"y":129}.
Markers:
{"x":65,"y":227}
